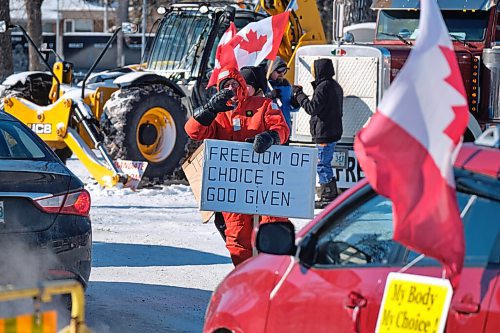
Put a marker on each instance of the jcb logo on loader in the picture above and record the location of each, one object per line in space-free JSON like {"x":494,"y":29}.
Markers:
{"x":41,"y":128}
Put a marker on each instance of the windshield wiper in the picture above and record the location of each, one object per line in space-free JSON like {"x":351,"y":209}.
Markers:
{"x":458,"y":39}
{"x":401,"y":38}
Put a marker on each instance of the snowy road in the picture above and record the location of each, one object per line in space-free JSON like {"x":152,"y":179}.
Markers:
{"x":155,"y":264}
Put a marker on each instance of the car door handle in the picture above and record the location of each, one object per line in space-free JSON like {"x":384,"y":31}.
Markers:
{"x":465,"y":308}
{"x":355,"y":299}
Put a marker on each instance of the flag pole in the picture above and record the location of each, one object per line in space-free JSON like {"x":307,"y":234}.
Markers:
{"x":255,"y":220}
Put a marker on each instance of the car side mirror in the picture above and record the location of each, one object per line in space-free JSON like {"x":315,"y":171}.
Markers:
{"x":307,"y":252}
{"x":230,"y":13}
{"x":348,"y":37}
{"x":276,"y":238}
{"x":129,"y":28}
{"x":3,"y":26}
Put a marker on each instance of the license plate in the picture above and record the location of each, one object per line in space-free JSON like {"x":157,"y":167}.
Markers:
{"x":340,"y":158}
{"x":2,"y":213}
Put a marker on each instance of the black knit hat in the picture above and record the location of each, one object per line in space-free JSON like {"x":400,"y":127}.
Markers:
{"x":249,"y":76}
{"x":255,"y":76}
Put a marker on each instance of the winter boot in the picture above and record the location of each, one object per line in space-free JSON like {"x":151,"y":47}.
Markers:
{"x":319,"y":191}
{"x":328,"y":193}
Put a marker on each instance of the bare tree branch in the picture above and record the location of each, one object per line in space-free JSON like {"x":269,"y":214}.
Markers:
{"x":6,"y":66}
{"x":34,"y":29}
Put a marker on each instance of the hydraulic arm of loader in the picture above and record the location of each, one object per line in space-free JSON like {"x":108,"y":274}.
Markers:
{"x":43,"y":294}
{"x":51,"y":124}
{"x":305,"y":27}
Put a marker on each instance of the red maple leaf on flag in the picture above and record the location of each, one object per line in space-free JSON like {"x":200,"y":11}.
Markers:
{"x":456,"y":127}
{"x":252,"y":42}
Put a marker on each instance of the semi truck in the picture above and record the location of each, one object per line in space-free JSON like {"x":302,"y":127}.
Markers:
{"x":365,"y":71}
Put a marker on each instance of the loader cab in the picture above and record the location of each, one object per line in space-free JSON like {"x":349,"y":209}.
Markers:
{"x":187,"y":38}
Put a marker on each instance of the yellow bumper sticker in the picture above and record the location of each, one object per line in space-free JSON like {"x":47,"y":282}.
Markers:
{"x":414,"y":303}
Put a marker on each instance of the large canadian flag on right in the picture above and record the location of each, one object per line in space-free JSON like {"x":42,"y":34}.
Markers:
{"x":408,"y":148}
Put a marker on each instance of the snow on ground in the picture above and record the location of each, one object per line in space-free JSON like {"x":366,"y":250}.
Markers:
{"x":154,"y":263}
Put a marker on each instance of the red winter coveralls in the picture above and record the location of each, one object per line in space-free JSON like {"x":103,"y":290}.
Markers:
{"x":256,"y":115}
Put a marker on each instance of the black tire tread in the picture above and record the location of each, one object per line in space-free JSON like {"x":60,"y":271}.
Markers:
{"x":118,"y":113}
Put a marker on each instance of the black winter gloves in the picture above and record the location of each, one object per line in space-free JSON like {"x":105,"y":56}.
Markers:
{"x":276,"y":93}
{"x":264,"y":140}
{"x":218,"y":103}
{"x":296,"y":89}
{"x":298,"y":94}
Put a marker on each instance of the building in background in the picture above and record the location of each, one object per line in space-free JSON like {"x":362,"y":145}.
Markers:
{"x":84,"y":29}
{"x":74,"y":15}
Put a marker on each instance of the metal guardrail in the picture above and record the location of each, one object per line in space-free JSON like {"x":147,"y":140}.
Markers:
{"x":44,"y":293}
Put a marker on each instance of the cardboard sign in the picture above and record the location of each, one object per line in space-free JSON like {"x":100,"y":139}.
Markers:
{"x":278,"y":182}
{"x":193,"y":169}
{"x":133,"y":169}
{"x":414,"y":303}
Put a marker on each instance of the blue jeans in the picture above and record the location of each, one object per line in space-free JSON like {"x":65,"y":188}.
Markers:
{"x":325,"y":157}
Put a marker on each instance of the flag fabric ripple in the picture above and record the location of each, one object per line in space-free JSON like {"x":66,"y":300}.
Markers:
{"x":408,"y":148}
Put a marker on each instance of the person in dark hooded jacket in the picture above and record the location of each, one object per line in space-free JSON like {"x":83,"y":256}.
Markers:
{"x":325,"y":108}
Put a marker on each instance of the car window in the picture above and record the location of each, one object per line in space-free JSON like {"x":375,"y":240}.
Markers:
{"x":17,"y":143}
{"x":481,"y":231}
{"x":362,"y":235}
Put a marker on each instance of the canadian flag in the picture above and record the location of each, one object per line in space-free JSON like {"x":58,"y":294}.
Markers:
{"x":222,"y":55}
{"x":409,"y":146}
{"x":252,"y":44}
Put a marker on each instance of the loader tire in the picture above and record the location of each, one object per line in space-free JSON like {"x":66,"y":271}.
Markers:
{"x":146,"y":123}
{"x":35,"y":88}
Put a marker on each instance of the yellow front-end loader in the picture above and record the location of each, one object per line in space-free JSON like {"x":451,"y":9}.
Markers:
{"x":66,"y":117}
{"x":138,"y":112}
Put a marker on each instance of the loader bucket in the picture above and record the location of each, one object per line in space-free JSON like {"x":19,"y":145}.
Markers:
{"x":134,"y":171}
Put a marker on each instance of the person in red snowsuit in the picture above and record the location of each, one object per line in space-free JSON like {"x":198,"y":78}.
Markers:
{"x":233,"y":115}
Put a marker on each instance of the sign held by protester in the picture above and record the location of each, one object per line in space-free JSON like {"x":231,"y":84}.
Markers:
{"x":278,"y":182}
{"x":193,"y":169}
{"x":414,"y":303}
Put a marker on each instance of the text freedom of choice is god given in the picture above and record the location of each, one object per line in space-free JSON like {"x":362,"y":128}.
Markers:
{"x":279,"y":181}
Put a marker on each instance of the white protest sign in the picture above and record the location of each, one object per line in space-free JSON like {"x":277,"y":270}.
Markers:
{"x":278,"y":182}
{"x":133,"y":169}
